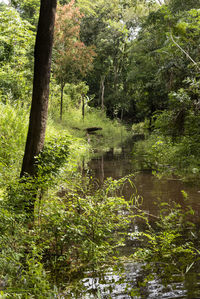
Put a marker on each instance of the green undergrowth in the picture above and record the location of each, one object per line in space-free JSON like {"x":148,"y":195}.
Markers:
{"x":13,"y":129}
{"x":167,"y":155}
{"x":112,"y":133}
{"x":14,"y":125}
{"x":78,"y":225}
{"x":44,"y":258}
{"x":68,"y":238}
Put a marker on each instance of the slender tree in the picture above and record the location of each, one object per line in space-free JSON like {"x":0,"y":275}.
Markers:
{"x":40,"y":95}
{"x":72,"y":58}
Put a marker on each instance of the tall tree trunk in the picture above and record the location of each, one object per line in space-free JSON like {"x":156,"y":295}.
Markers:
{"x":83,"y":106}
{"x":116,"y":71}
{"x":40,"y":95}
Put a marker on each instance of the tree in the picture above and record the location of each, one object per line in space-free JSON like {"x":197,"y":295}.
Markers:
{"x":16,"y":41}
{"x":108,"y":26}
{"x":181,"y":5}
{"x":163,"y":55}
{"x":40,"y":95}
{"x":28,"y":10}
{"x":72,"y":59}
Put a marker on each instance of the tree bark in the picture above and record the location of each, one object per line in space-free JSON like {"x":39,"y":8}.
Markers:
{"x":40,"y":95}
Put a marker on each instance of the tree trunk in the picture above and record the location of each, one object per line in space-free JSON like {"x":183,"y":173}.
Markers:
{"x":40,"y":95}
{"x":102,"y":91}
{"x":83,"y":106}
{"x":122,"y":114}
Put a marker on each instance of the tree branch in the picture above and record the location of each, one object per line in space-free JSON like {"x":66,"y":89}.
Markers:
{"x":194,"y":62}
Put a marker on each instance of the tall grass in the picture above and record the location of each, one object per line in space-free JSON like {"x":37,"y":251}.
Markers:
{"x":13,"y":130}
{"x":112,"y":134}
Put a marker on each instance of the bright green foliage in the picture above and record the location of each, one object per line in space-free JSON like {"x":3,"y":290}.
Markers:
{"x":48,"y":166}
{"x":34,"y":278}
{"x":53,"y":156}
{"x":165,"y":156}
{"x":73,"y":96}
{"x":20,"y":263}
{"x":16,"y":41}
{"x":174,"y":145}
{"x":13,"y":124}
{"x":69,"y":237}
{"x":28,"y":10}
{"x":74,"y":226}
{"x":146,"y":68}
{"x":113,"y":133}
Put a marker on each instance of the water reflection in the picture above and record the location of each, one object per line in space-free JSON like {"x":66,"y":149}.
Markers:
{"x":148,"y":186}
{"x":117,"y":165}
{"x":113,"y":288}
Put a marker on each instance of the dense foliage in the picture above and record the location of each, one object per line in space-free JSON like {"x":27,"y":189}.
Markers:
{"x":16,"y":47}
{"x":132,"y":61}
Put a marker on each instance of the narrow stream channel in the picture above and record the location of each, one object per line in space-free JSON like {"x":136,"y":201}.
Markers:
{"x":117,"y":165}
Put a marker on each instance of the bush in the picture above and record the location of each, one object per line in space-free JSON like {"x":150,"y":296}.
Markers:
{"x":68,"y":238}
{"x":168,"y":154}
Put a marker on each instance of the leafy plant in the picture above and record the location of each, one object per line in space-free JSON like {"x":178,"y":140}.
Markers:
{"x":74,"y":225}
{"x":170,"y":246}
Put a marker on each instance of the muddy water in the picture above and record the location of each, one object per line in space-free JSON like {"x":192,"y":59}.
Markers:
{"x":149,"y":187}
{"x":117,"y":165}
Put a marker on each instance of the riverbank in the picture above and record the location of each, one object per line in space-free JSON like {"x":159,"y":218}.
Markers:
{"x":80,"y":222}
{"x":38,"y":259}
{"x":166,"y":155}
{"x":165,"y":229}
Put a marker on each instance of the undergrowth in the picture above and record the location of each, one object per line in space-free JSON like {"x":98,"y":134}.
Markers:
{"x":111,"y":133}
{"x":68,"y":236}
{"x":168,"y":248}
{"x":167,"y":155}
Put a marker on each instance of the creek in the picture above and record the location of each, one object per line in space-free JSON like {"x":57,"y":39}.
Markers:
{"x":116,"y":165}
